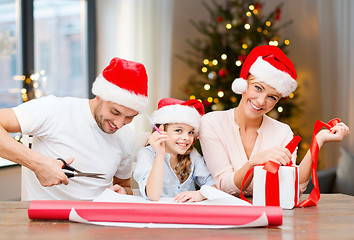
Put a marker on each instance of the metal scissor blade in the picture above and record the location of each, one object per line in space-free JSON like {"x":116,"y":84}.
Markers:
{"x":94,"y":175}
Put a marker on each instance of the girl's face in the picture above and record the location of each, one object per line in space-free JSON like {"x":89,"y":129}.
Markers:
{"x":180,"y":138}
{"x":259,"y":99}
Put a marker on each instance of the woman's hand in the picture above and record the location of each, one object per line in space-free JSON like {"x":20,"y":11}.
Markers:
{"x":279,"y":155}
{"x":336,"y":134}
{"x":157,"y":141}
{"x":189,"y":196}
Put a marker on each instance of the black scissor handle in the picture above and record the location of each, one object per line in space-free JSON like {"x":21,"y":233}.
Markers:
{"x":66,"y":166}
{"x":69,"y":175}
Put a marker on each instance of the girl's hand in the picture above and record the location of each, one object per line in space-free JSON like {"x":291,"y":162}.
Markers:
{"x":279,"y":155}
{"x":189,"y":196}
{"x":157,"y":141}
{"x":336,"y":134}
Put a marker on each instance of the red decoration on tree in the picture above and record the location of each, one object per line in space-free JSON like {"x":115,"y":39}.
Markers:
{"x":207,"y":103}
{"x":277,"y":14}
{"x":242,"y":58}
{"x":257,"y":6}
{"x":219,"y":19}
{"x":223,"y":72}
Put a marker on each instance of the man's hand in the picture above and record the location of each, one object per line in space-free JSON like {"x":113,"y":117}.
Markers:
{"x":118,"y":189}
{"x":50,"y":172}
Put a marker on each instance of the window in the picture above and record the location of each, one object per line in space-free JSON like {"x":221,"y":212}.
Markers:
{"x":46,"y":47}
{"x":9,"y":55}
{"x":60,"y":44}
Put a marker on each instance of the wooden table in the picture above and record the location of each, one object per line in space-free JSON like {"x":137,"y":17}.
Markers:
{"x":333,"y":218}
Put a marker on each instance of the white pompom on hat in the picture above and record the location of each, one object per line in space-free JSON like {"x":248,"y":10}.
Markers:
{"x":270,"y":65}
{"x":171,"y":110}
{"x":123,"y":82}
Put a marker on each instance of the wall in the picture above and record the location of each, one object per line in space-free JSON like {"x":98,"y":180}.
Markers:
{"x":10,"y":183}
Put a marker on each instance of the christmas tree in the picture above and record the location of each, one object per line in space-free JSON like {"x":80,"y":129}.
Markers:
{"x":234,"y":29}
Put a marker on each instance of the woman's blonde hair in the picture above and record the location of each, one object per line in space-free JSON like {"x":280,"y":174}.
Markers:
{"x":252,"y":79}
{"x":182,"y":169}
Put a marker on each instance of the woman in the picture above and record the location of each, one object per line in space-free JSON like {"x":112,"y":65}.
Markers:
{"x":235,"y":140}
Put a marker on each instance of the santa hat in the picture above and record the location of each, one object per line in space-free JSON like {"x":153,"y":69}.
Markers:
{"x":171,"y":110}
{"x":123,"y":82}
{"x":270,"y":65}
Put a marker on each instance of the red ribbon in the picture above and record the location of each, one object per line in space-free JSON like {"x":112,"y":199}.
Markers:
{"x":272,"y":189}
{"x":314,"y":196}
{"x":272,"y":177}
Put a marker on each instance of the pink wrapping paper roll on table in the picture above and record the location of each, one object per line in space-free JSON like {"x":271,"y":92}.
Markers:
{"x":154,"y":213}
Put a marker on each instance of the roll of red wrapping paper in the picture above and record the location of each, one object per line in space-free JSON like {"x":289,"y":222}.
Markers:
{"x":154,"y":213}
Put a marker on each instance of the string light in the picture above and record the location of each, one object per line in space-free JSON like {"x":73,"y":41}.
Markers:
{"x":216,"y":100}
{"x":273,"y":43}
{"x":265,"y":32}
{"x":207,"y":87}
{"x":238,"y":63}
{"x":287,"y":42}
{"x":220,"y":93}
{"x":204,"y":69}
{"x":191,"y":97}
{"x":251,"y":7}
{"x":244,"y":46}
{"x":206,"y":61}
{"x":210,"y":99}
{"x":268,"y":23}
{"x":247,"y":26}
{"x":19,"y":78}
{"x":280,"y":109}
{"x":228,"y":26}
{"x":259,"y":29}
{"x":248,"y":14}
{"x":212,"y":75}
{"x":224,"y":56}
{"x":291,"y":95}
{"x":215,"y":62}
{"x":233,"y":99}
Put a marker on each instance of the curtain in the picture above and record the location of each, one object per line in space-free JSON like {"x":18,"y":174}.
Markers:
{"x":336,"y":30}
{"x":138,"y":30}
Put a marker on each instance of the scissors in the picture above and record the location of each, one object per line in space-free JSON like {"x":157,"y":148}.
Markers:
{"x":79,"y":173}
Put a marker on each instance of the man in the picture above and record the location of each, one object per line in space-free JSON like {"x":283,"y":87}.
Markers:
{"x":90,"y":135}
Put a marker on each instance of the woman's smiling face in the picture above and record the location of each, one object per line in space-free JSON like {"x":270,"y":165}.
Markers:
{"x":260,"y":98}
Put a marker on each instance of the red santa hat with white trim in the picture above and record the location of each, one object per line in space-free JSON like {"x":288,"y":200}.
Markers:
{"x":123,"y":82}
{"x":270,"y":65}
{"x":171,"y":110}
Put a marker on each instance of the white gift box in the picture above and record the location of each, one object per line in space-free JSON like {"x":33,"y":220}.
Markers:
{"x":288,"y":186}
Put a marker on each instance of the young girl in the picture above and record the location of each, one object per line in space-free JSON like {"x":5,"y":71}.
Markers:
{"x":235,"y":140}
{"x":169,"y":166}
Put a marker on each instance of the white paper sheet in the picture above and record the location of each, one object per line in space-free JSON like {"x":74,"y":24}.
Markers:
{"x":213,"y":195}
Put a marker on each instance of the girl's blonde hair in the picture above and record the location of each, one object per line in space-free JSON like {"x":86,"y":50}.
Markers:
{"x":182,"y":169}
